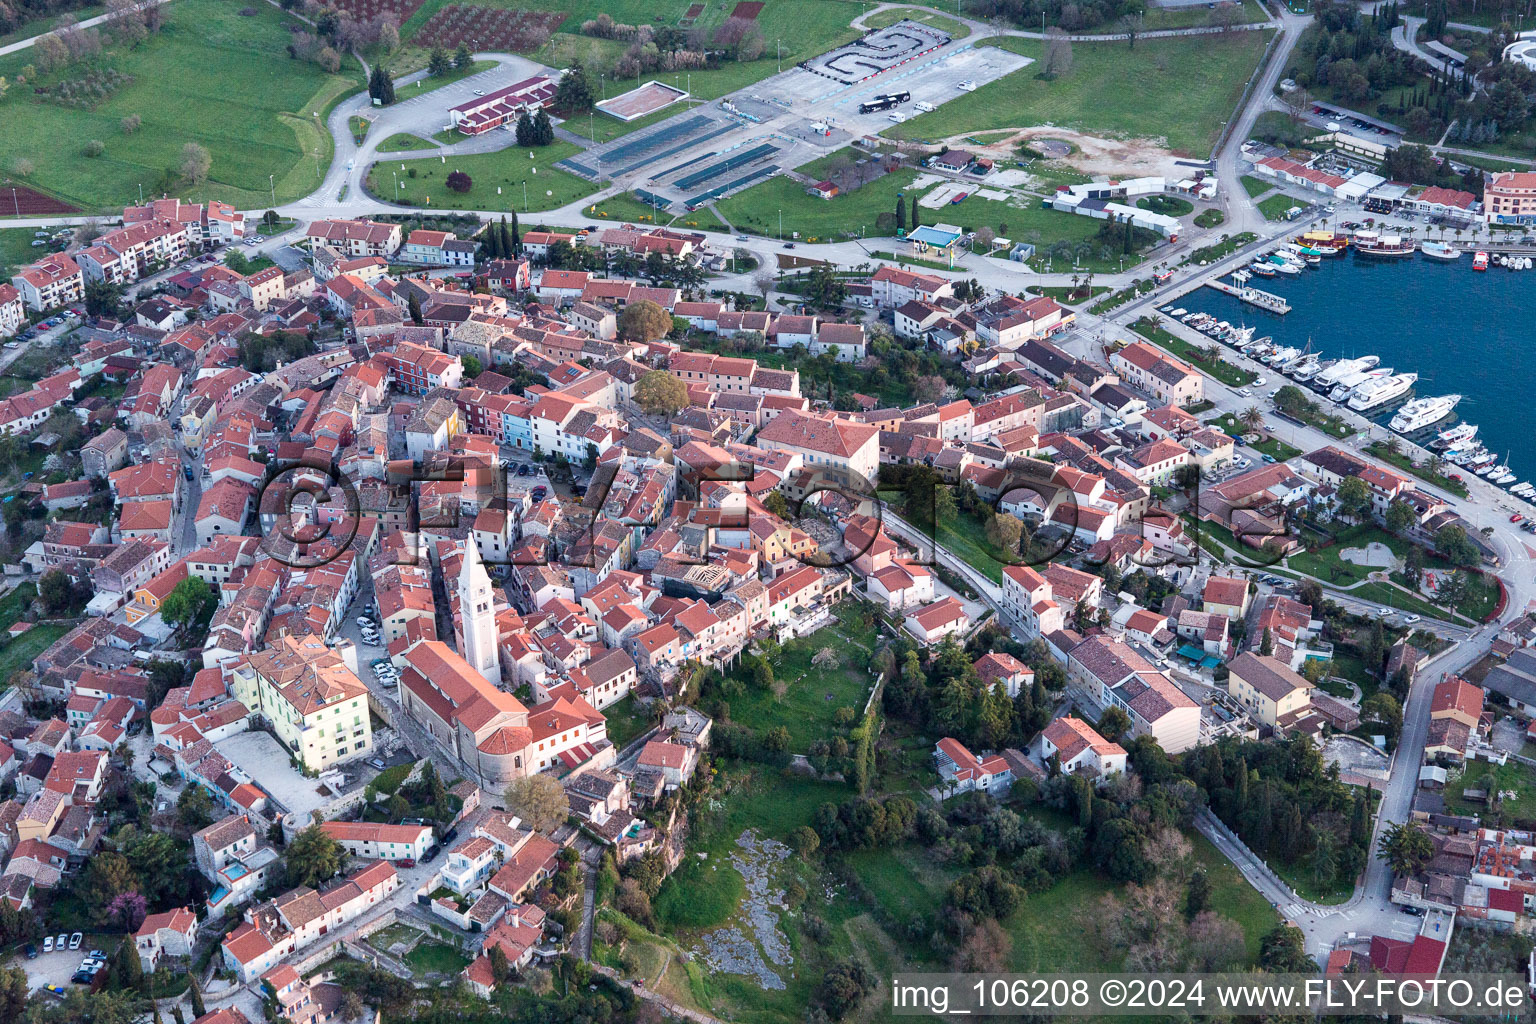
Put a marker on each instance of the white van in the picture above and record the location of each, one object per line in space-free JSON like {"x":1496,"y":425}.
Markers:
{"x":924,"y":106}
{"x":898,"y":117}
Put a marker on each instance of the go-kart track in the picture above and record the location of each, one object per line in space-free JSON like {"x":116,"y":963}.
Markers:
{"x":877,"y":52}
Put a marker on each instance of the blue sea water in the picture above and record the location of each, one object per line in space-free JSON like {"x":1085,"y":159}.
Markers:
{"x":1462,"y":331}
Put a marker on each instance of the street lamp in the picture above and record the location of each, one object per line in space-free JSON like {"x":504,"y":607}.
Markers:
{"x":781,"y":225}
{"x":271,"y":183}
{"x":525,"y":195}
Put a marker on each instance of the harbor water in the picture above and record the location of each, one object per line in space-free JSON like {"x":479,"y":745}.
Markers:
{"x":1462,"y":331}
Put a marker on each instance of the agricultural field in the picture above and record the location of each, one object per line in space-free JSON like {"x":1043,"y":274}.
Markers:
{"x":367,"y":10}
{"x":488,"y":29}
{"x":1111,"y":90}
{"x":506,"y":170}
{"x":210,"y":76}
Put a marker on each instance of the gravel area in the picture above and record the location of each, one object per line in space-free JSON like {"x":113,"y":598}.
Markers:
{"x":742,"y":948}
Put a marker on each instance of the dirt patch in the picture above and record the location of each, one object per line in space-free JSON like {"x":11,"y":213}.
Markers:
{"x":788,"y":262}
{"x":490,"y":29}
{"x":1087,"y":153}
{"x":748,"y":9}
{"x":29,"y":202}
{"x":694,"y":10}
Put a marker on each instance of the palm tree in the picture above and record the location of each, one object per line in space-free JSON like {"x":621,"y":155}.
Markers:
{"x":1393,"y":445}
{"x":1252,"y":417}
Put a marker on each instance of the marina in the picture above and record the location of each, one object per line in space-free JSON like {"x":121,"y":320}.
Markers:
{"x":1363,"y":318}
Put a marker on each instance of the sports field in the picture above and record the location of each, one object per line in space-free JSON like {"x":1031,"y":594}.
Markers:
{"x":210,"y":76}
{"x":1180,"y":89}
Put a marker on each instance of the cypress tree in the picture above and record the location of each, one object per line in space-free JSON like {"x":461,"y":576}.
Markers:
{"x":516,"y":239}
{"x":413,"y":307}
{"x":901,"y":214}
{"x":914,"y":218}
{"x":491,"y":242}
{"x":195,"y":994}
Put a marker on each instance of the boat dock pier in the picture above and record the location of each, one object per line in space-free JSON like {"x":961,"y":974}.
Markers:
{"x":1267,"y":301}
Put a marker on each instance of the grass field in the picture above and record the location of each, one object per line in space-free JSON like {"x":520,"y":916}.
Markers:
{"x":506,"y":169}
{"x":1256,"y":187}
{"x":210,"y":76}
{"x":626,"y":720}
{"x":1278,"y":205}
{"x":1512,"y":776}
{"x":1112,"y":89}
{"x":16,"y":249}
{"x":890,"y":16}
{"x":18,"y":655}
{"x":437,"y":957}
{"x":402,"y":142}
{"x":815,"y":692}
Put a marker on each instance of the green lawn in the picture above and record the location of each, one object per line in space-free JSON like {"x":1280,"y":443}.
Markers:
{"x":507,"y":169}
{"x":854,"y":213}
{"x":402,"y":142}
{"x":1210,"y":217}
{"x":1256,"y":187}
{"x":210,"y":76}
{"x":1171,"y":206}
{"x":625,"y":208}
{"x":17,"y":655}
{"x":1278,"y":205}
{"x":1228,"y":373}
{"x":1326,"y":564}
{"x":890,"y":16}
{"x":16,"y":249}
{"x":1111,"y":89}
{"x":626,"y":720}
{"x":815,"y":692}
{"x":437,"y":956}
{"x":1512,"y":776}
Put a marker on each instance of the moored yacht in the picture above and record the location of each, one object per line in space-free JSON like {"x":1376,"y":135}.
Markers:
{"x":1423,"y":412}
{"x":1378,"y":392}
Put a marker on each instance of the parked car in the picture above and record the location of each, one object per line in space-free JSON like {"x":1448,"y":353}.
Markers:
{"x":539,"y":492}
{"x":62,"y":941}
{"x":75,"y":940}
{"x":406,"y":862}
{"x":48,"y":944}
{"x":31,"y":951}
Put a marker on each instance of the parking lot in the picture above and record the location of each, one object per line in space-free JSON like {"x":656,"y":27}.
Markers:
{"x":56,"y":968}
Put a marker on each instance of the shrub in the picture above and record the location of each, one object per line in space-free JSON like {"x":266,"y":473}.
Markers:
{"x":460,"y":182}
{"x":94,"y":148}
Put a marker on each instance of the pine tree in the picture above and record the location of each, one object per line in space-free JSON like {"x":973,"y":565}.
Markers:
{"x":389,"y":89}
{"x":126,"y":971}
{"x":524,"y":131}
{"x":544,"y":132}
{"x":901,"y":214}
{"x":462,"y":58}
